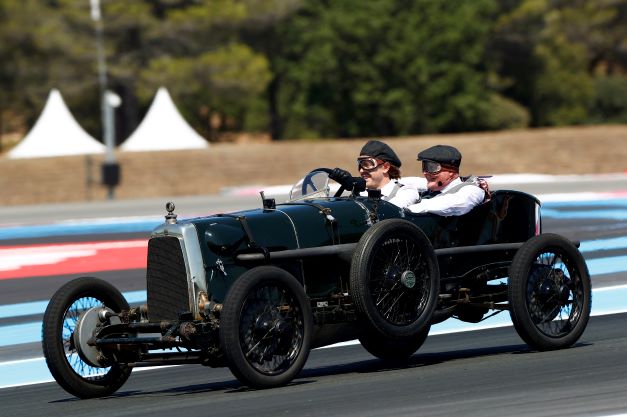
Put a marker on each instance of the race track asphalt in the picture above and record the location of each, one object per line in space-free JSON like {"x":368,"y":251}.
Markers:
{"x":488,"y":372}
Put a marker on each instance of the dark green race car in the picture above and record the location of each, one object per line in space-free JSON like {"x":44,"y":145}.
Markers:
{"x":256,"y":290}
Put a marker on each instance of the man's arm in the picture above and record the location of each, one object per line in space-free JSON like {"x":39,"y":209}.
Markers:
{"x":405,"y":196}
{"x":419,"y":183}
{"x":451,"y":204}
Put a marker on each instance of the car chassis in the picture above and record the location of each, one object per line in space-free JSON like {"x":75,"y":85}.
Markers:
{"x":257,"y":290}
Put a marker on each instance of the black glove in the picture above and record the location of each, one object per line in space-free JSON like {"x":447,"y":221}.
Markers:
{"x":342,"y":177}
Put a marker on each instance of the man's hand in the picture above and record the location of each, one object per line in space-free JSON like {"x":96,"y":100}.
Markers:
{"x":483,"y":184}
{"x":342,"y":177}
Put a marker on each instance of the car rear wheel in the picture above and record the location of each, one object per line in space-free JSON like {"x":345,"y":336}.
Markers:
{"x":265,"y":327}
{"x":62,"y":319}
{"x":394,"y":278}
{"x":549,"y":292}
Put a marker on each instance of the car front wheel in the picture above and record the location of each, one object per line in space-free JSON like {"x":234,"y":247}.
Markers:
{"x":265,"y":327}
{"x":67,"y":309}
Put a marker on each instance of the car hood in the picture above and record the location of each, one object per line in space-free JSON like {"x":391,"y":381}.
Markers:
{"x":305,"y":224}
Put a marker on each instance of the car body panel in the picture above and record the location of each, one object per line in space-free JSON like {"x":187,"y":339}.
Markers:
{"x":509,"y":217}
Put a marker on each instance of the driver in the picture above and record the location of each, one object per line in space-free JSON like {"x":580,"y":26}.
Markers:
{"x":379,"y":166}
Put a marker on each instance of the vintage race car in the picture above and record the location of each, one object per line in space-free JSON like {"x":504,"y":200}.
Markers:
{"x":257,"y":290}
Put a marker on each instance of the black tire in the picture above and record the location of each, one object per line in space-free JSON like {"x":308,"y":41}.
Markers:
{"x":394,"y":350}
{"x":549,"y":292}
{"x":266,"y":326}
{"x":64,"y":362}
{"x":394,"y":278}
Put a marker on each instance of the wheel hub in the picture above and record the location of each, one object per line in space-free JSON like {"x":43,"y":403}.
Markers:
{"x":273,"y":335}
{"x":408,"y":279}
{"x":264,"y":324}
{"x":547,"y":290}
{"x":84,"y":331}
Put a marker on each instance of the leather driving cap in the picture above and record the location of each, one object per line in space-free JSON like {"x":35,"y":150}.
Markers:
{"x":380,"y":150}
{"x":443,"y":154}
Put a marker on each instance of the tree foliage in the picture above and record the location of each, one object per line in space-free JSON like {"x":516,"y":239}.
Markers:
{"x":321,"y":68}
{"x":548,"y":53}
{"x":353,"y":68}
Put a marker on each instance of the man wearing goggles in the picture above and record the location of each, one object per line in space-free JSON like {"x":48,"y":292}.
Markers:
{"x":379,"y":167}
{"x":446,"y":194}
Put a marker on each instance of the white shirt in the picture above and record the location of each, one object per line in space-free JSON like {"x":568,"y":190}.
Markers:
{"x":404,"y":196}
{"x":454,"y":203}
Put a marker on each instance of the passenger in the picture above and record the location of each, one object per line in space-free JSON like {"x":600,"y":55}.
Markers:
{"x":444,"y":192}
{"x":379,"y":166}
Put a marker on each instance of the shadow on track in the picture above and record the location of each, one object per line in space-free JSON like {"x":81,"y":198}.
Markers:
{"x":310,"y":375}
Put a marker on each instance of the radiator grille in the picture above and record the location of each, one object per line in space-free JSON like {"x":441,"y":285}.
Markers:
{"x":166,"y":279}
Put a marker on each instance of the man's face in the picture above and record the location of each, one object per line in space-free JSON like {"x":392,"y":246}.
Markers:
{"x":373,"y":171}
{"x":438,"y":176}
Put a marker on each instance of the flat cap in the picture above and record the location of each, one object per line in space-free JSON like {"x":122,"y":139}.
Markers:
{"x":380,"y":150}
{"x":443,"y":154}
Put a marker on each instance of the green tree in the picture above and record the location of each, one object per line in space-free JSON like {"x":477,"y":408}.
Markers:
{"x":546,"y":54}
{"x":563,"y":87}
{"x":197,"y":53}
{"x":46,"y":44}
{"x":610,"y":100}
{"x":352,"y":68}
{"x":35,"y":55}
{"x":219,"y":83}
{"x":321,"y":68}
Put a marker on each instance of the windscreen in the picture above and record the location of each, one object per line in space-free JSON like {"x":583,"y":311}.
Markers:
{"x":313,"y":185}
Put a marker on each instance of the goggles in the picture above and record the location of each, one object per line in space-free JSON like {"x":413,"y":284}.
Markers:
{"x":435,"y":168}
{"x":369,"y":164}
{"x":431,"y":167}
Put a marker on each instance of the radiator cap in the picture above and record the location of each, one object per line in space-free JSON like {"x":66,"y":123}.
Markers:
{"x":170,"y":218}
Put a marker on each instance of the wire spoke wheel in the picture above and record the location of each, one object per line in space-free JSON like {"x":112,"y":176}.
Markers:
{"x":271,"y":329}
{"x":70,"y":321}
{"x":550,"y":292}
{"x":266,"y":326}
{"x":555,"y":295}
{"x":61,"y":319}
{"x":398,"y":285}
{"x":395,"y":278}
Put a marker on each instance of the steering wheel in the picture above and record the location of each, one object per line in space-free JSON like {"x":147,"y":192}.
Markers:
{"x":308,"y":182}
{"x":355,"y":184}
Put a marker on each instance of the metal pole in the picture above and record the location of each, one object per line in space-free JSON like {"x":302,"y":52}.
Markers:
{"x":102,"y":65}
{"x":110,"y":166}
{"x":109,"y":123}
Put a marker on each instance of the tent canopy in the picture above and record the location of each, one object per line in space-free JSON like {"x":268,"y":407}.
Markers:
{"x":56,"y":133}
{"x":163,"y":128}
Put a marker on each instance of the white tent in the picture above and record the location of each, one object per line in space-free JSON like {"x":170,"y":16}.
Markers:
{"x":56,"y":133}
{"x":163,"y":128}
